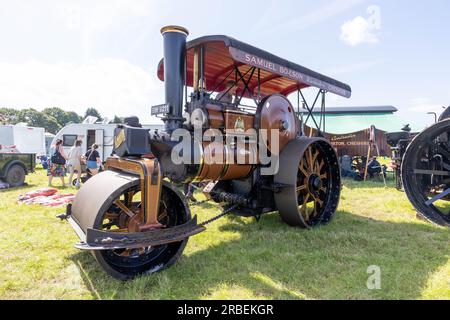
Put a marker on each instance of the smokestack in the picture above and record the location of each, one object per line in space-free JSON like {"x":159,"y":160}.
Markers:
{"x":174,"y":64}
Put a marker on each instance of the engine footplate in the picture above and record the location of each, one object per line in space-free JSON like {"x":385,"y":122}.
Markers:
{"x":108,"y":240}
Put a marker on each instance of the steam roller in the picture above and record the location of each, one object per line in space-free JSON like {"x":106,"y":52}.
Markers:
{"x":426,"y":172}
{"x":251,"y":159}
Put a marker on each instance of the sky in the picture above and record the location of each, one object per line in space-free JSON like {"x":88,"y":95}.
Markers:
{"x":104,"y":53}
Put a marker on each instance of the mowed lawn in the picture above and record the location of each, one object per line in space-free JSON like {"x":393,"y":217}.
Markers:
{"x":240,"y":258}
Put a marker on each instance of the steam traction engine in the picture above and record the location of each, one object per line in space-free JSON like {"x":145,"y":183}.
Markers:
{"x":426,"y":171}
{"x":255,"y":159}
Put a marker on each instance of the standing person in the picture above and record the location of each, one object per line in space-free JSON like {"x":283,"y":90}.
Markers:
{"x":57,"y":164}
{"x":93,"y":159}
{"x":74,"y":162}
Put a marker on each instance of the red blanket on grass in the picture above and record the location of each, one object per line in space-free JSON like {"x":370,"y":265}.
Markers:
{"x":49,"y":197}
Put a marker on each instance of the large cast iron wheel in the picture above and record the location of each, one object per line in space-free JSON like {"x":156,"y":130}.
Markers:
{"x":115,"y":213}
{"x":426,"y":173}
{"x":309,"y":180}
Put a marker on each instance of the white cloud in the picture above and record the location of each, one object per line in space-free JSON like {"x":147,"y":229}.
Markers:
{"x":113,"y":86}
{"x":358,"y":31}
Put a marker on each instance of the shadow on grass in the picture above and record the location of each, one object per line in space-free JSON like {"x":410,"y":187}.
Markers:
{"x":25,"y":186}
{"x":375,"y":183}
{"x":272,"y":260}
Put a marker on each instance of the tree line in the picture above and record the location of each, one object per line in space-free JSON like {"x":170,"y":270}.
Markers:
{"x":52,"y":119}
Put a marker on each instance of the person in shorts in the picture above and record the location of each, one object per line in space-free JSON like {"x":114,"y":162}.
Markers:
{"x":93,"y":160}
{"x":57,"y":163}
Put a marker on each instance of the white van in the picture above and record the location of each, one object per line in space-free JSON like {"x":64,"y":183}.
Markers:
{"x":90,"y":133}
{"x":24,"y":139}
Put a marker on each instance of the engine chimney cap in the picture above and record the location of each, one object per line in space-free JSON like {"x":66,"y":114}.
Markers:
{"x":173,"y":28}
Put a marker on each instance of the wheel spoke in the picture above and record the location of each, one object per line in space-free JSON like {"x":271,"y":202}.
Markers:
{"x":304,"y":207}
{"x":432,"y":172}
{"x":322,"y":163}
{"x":301,"y":188}
{"x":315,"y":162}
{"x":310,"y":158}
{"x":111,"y":216}
{"x":320,"y":202}
{"x":124,"y":208}
{"x":129,"y":197}
{"x":162,"y":215}
{"x":302,"y":169}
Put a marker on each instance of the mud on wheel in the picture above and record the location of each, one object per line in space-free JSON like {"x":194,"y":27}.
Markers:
{"x":426,"y":173}
{"x":310,"y":179}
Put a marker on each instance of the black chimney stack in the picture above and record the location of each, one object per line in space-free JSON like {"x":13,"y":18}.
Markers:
{"x":174,"y":76}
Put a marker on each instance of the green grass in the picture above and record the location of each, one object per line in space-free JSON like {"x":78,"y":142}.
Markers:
{"x":239,"y":258}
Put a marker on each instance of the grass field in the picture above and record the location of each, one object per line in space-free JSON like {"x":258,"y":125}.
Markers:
{"x":240,"y":258}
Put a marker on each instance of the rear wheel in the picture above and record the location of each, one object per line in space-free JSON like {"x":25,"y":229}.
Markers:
{"x":15,"y":176}
{"x":310,"y":179}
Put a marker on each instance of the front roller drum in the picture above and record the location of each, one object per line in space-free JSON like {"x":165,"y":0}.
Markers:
{"x":309,"y":182}
{"x":109,"y":202}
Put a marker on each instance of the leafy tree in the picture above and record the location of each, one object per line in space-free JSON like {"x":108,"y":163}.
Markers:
{"x":63,"y":117}
{"x":94,"y":113}
{"x":10,"y":115}
{"x":73,"y":117}
{"x":35,"y":118}
{"x":117,"y":120}
{"x":52,"y":119}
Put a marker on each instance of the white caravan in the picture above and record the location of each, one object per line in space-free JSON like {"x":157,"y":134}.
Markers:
{"x":90,"y":133}
{"x":25,"y":139}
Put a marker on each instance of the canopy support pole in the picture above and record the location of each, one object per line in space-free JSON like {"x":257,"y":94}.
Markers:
{"x":311,"y":109}
{"x":246,"y":83}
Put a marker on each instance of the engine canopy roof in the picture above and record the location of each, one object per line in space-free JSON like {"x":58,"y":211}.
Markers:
{"x":277,"y":75}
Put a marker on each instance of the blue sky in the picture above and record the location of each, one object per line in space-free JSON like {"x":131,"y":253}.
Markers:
{"x":99,"y":53}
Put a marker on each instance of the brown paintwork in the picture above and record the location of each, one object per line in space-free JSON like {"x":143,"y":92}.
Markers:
{"x":150,"y":186}
{"x":221,"y":58}
{"x":220,"y":163}
{"x":215,"y":116}
{"x":273,"y":113}
{"x":238,"y":121}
